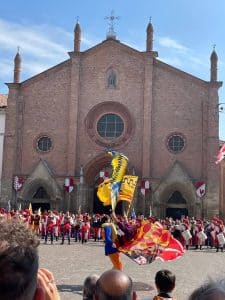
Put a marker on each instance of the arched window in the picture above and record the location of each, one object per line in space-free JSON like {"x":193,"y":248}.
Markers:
{"x":111,"y":79}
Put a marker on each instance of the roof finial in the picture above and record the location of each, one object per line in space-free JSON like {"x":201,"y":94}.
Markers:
{"x":77,"y":19}
{"x":18,"y":49}
{"x":111,"y":33}
{"x":214,"y":47}
{"x":150,"y":19}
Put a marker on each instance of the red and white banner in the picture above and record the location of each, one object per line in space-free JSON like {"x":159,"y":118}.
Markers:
{"x":18,"y":183}
{"x":221,"y":154}
{"x":200,"y":188}
{"x":145,"y":187}
{"x":103,"y":175}
{"x":69,"y":184}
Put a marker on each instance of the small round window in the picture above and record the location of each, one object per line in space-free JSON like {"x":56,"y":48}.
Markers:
{"x":175,"y":143}
{"x":44,"y":144}
{"x":110,"y":126}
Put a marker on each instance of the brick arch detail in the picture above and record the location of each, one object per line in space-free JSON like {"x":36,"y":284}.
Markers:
{"x":95,"y":166}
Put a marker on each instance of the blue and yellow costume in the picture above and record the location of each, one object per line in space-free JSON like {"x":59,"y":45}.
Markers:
{"x":110,"y":235}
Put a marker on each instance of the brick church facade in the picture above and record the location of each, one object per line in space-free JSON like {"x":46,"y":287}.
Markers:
{"x":60,"y":122}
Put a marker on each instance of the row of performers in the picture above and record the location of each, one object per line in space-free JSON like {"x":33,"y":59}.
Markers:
{"x":190,"y":232}
{"x":54,"y":224}
{"x":198,"y":233}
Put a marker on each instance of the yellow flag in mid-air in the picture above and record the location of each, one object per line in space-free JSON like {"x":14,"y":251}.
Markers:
{"x":128,"y":188}
{"x":104,"y":192}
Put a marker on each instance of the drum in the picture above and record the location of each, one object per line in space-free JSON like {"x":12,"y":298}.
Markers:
{"x":202,"y":236}
{"x":186,"y":235}
{"x":221,"y":238}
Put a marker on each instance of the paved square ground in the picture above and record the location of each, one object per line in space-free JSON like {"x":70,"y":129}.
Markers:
{"x":70,"y":265}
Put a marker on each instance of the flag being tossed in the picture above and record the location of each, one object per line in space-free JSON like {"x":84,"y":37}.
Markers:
{"x":152,"y":242}
{"x":119,"y":187}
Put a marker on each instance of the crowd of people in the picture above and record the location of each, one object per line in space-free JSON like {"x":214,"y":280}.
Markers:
{"x":21,"y":277}
{"x":56,"y":226}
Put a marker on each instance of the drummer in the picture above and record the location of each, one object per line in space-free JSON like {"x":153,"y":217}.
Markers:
{"x":186,"y":234}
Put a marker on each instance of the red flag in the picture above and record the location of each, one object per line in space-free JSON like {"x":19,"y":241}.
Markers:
{"x":152,"y":241}
{"x":221,"y":154}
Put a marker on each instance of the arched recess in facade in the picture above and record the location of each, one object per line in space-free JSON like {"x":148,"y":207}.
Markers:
{"x":93,"y":167}
{"x":162,"y":198}
{"x":30,"y":189}
{"x":91,"y":172}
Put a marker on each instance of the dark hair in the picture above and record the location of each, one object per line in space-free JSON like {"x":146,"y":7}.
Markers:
{"x":102,"y":295}
{"x":165,"y":281}
{"x":212,"y":290}
{"x":105,"y":219}
{"x":89,"y":286}
{"x":18,"y":261}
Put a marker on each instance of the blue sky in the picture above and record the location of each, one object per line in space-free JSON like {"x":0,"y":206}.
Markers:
{"x":184,"y":33}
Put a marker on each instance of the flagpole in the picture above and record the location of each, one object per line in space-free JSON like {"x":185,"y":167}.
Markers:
{"x":68,"y":208}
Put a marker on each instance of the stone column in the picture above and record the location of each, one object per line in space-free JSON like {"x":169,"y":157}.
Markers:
{"x":73,"y":112}
{"x":10,"y":143}
{"x":147,"y":115}
{"x":212,"y":191}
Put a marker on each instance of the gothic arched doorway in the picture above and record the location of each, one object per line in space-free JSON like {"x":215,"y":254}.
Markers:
{"x":176,"y":206}
{"x":41,"y":199}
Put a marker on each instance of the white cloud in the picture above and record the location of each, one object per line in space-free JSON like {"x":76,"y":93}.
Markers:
{"x":173,"y":61}
{"x":41,"y":46}
{"x":171,"y":43}
{"x":6,"y":68}
{"x":33,"y":40}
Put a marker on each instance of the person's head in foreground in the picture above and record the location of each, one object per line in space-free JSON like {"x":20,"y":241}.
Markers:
{"x":114,"y":285}
{"x":165,"y":281}
{"x":89,"y":287}
{"x":213,"y":290}
{"x":20,"y":278}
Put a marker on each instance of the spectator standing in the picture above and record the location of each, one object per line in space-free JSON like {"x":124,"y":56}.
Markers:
{"x":165,"y":283}
{"x":115,"y":285}
{"x":89,"y":287}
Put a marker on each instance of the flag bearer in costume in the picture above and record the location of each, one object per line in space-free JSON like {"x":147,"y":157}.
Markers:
{"x":35,"y":221}
{"x":49,"y":227}
{"x":110,"y":235}
{"x":108,"y":193}
{"x":138,"y":240}
{"x":66,"y":227}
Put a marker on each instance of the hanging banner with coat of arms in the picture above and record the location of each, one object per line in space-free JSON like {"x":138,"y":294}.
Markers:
{"x":200,"y":188}
{"x":145,"y":187}
{"x":17,"y":183}
{"x":69,"y":184}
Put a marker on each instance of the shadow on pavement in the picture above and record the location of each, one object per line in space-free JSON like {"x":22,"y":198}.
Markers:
{"x":141,"y":286}
{"x":70,"y":288}
{"x":77,"y":289}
